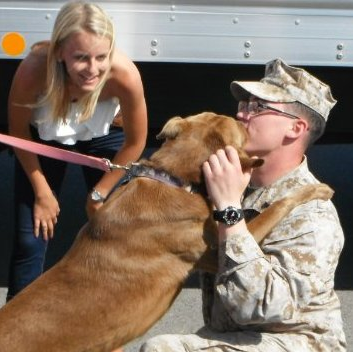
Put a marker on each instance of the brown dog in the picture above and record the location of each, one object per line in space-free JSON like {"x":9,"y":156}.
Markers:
{"x":129,"y":262}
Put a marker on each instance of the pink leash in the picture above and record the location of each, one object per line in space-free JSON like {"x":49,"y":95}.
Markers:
{"x":60,"y":154}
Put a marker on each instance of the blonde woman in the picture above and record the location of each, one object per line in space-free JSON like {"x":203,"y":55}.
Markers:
{"x":78,"y":92}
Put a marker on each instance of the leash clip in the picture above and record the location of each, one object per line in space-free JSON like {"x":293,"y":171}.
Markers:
{"x":117,"y":166}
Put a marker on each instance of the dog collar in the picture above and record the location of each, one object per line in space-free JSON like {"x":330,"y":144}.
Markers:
{"x":139,"y":170}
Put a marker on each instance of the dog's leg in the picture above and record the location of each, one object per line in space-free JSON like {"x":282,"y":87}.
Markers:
{"x":263,"y":223}
{"x":269,"y":218}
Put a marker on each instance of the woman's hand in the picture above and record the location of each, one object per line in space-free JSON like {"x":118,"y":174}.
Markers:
{"x":46,"y":211}
{"x":225,"y":179}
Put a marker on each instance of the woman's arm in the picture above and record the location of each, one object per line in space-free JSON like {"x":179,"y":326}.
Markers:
{"x":27,"y":85}
{"x":125,"y":83}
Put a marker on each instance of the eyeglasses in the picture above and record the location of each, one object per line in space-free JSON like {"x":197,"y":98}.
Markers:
{"x":256,"y":107}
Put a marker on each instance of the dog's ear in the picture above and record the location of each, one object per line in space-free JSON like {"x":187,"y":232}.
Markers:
{"x":171,"y":129}
{"x":248,"y":162}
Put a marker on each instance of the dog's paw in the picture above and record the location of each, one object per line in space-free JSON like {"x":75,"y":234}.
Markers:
{"x":317,"y":191}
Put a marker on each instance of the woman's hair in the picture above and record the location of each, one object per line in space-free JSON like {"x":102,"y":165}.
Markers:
{"x":74,"y":17}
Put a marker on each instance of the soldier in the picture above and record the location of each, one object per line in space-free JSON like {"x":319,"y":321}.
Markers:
{"x":277,"y":296}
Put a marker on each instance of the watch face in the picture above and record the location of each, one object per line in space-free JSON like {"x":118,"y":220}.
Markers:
{"x":96,"y":196}
{"x":229,"y":215}
{"x":232,"y":215}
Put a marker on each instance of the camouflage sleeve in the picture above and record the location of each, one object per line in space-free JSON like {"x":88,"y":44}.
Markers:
{"x":299,"y":265}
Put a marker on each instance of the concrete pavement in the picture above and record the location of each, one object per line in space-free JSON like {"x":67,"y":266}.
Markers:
{"x":185,"y":316}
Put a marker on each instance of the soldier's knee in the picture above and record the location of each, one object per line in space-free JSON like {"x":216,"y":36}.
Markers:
{"x":151,"y":345}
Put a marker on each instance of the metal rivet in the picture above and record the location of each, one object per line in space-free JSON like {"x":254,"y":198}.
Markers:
{"x":247,"y":44}
{"x":297,"y":22}
{"x":173,"y":7}
{"x":235,"y":20}
{"x":154,"y":52}
{"x":154,"y":42}
{"x":247,"y":54}
{"x":172,"y":18}
{"x":339,"y":56}
{"x":48,"y":16}
{"x":340,"y":46}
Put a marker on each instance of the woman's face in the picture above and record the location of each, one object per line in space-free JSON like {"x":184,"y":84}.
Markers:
{"x":86,"y":58}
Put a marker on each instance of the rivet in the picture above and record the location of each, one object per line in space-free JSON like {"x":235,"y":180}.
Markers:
{"x":235,"y":20}
{"x":247,"y":44}
{"x":339,"y":56}
{"x":154,"y":52}
{"x":247,"y":54}
{"x":340,"y":46}
{"x":297,"y":22}
{"x":48,"y":16}
{"x":173,"y":7}
{"x":172,"y":18}
{"x":154,"y":42}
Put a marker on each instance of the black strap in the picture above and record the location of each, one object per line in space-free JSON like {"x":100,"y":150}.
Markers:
{"x":250,"y":214}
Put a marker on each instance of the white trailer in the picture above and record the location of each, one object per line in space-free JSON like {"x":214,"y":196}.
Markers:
{"x":304,"y":32}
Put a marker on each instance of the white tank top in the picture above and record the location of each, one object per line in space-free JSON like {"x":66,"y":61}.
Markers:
{"x":71,"y":131}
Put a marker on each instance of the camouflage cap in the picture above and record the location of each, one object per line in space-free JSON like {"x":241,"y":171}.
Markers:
{"x":284,"y":84}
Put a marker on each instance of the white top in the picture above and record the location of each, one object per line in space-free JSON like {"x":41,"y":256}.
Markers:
{"x":71,"y":131}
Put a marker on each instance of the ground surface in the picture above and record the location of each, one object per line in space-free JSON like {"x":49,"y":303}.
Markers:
{"x":185,"y":316}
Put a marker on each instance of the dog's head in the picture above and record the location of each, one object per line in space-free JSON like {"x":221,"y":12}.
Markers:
{"x":190,"y":141}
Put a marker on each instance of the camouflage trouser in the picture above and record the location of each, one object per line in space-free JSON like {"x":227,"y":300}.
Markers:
{"x":209,"y":341}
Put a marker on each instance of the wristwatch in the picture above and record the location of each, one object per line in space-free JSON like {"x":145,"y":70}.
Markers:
{"x":229,"y":215}
{"x":96,"y":196}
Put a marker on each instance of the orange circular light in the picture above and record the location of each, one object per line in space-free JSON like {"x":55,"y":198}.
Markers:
{"x":13,"y":43}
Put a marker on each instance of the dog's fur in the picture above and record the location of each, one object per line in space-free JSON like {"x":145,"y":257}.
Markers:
{"x":130,"y":260}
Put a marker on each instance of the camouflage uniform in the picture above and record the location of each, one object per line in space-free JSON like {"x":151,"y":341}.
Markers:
{"x":279,"y":297}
